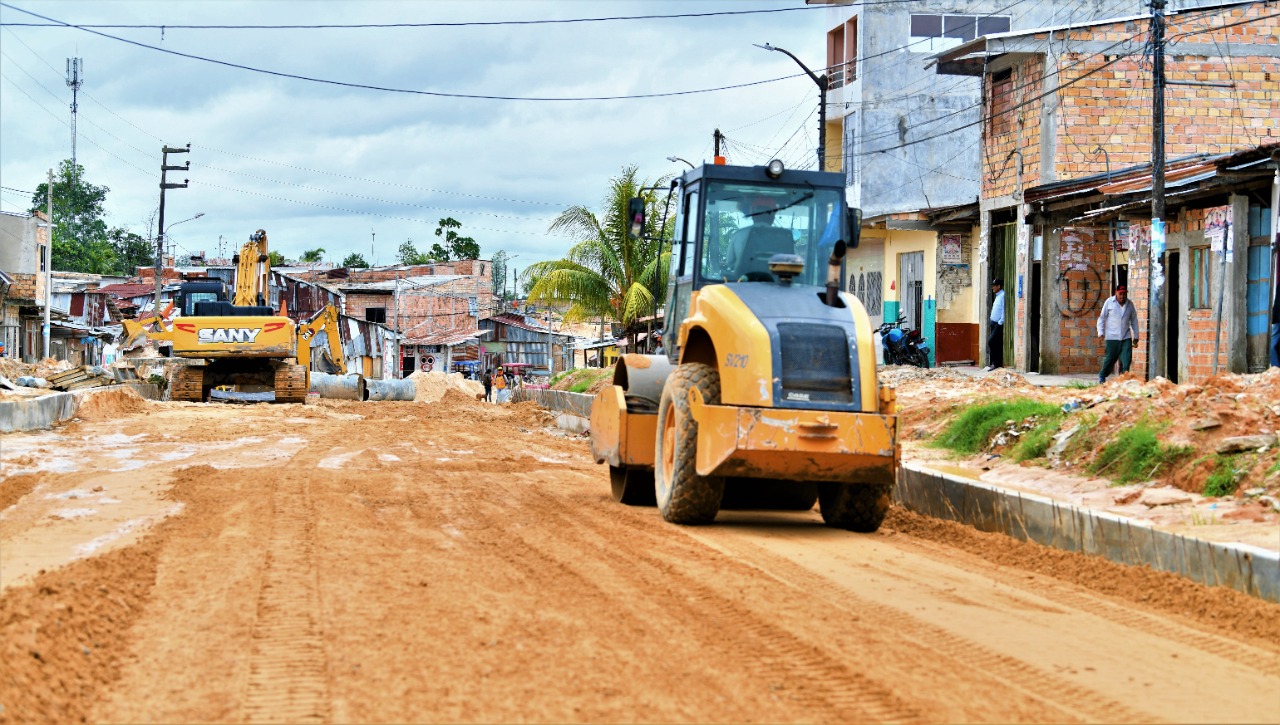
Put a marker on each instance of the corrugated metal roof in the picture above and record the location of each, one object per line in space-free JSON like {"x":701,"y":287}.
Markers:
{"x":448,"y":338}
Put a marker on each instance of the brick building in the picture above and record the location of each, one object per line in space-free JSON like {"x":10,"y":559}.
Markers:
{"x":1066,"y":181}
{"x":23,"y":256}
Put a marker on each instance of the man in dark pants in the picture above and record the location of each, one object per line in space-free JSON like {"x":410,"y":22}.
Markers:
{"x":1275,"y":332}
{"x":1118,"y":325}
{"x":995,"y":338}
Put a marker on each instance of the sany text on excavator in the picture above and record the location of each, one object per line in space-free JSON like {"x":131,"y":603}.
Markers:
{"x":241,"y":342}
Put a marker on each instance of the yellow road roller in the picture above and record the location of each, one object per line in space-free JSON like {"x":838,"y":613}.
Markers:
{"x":768,"y":379}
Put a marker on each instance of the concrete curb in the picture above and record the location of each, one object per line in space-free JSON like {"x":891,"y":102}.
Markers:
{"x":49,"y":410}
{"x":1029,"y":517}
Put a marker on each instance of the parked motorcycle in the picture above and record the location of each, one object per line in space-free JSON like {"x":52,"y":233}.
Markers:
{"x":903,"y":345}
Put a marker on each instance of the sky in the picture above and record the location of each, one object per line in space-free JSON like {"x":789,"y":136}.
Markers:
{"x":320,"y":165}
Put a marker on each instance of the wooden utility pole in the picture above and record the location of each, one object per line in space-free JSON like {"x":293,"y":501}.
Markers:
{"x":1155,"y":277}
{"x":48,"y":270}
{"x":165,"y":167}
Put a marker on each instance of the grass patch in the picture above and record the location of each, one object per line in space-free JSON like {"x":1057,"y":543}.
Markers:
{"x":1136,"y":455}
{"x":581,"y":380}
{"x":1078,"y":385}
{"x":1224,"y":480}
{"x":973,"y":428}
{"x":1035,"y":442}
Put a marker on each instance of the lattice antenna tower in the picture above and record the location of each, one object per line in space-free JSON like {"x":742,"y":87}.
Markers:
{"x":75,"y":79}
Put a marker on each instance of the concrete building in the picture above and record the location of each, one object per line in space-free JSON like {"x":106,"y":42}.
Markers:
{"x":23,"y":257}
{"x":909,"y":144}
{"x":1066,"y":183}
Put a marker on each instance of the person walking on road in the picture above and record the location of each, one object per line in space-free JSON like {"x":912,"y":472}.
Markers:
{"x":1118,"y":325}
{"x":995,"y":338}
{"x":488,"y":386}
{"x":500,"y":386}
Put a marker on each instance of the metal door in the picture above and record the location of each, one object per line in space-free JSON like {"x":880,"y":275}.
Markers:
{"x":911,"y":283}
{"x":1258,"y":327}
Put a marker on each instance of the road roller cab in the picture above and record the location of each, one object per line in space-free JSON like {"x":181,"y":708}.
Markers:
{"x":769,"y":377}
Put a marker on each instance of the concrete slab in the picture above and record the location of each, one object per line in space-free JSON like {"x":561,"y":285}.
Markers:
{"x":47,"y":411}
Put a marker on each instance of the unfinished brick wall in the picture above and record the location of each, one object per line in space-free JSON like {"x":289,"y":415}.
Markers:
{"x":1105,"y":99}
{"x":1196,"y":351}
{"x":1083,"y":280}
{"x":469,"y":267}
{"x":1012,"y":138}
{"x":23,"y":287}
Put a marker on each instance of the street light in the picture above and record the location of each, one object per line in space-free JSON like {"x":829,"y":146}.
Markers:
{"x":823,"y":84}
{"x":171,"y":226}
{"x":674,"y":159}
{"x":160,"y":258}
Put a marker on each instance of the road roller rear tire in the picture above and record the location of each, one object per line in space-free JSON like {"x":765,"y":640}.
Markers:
{"x":683,"y":496}
{"x":632,"y":486}
{"x":857,"y":507}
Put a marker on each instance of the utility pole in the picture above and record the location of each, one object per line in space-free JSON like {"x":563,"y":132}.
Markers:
{"x":823,"y":84}
{"x":48,"y":269}
{"x":74,"y":81}
{"x":1155,"y":278}
{"x":718,"y":137}
{"x":165,"y":167}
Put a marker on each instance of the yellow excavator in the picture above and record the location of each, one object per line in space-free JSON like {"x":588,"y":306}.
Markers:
{"x":242,"y":342}
{"x":769,"y":376}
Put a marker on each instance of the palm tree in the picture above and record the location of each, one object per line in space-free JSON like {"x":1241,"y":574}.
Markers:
{"x":606,"y":273}
{"x":312,"y":255}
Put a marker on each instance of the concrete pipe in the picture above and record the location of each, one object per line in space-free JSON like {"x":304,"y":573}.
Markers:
{"x":391,"y":390}
{"x":339,"y":387}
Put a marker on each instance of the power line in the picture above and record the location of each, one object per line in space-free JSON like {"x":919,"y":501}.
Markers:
{"x":407,"y":91}
{"x":454,"y":24}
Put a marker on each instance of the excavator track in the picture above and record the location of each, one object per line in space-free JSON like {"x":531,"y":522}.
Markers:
{"x":188,"y":384}
{"x":291,"y":384}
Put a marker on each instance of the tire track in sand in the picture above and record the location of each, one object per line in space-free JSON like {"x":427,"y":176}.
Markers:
{"x":1074,"y":701}
{"x":288,"y":671}
{"x":833,"y":692}
{"x":1268,"y":663}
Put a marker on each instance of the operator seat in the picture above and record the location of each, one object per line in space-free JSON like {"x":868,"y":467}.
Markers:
{"x":762,"y":243}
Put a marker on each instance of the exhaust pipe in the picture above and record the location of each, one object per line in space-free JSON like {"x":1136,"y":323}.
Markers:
{"x":833,"y":272}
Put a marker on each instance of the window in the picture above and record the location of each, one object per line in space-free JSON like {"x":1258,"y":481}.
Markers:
{"x":375,"y":314}
{"x":746,"y":224}
{"x":936,"y":33}
{"x":842,"y":54}
{"x":1200,"y":261}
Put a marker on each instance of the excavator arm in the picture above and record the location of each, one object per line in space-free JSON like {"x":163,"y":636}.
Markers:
{"x":326,"y":321}
{"x":253,"y":269}
{"x":136,"y":330}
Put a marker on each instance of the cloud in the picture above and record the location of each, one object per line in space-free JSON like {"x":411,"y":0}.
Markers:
{"x":322,"y":165}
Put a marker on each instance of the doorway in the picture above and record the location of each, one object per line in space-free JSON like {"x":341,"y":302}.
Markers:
{"x":1173,"y":316}
{"x":911,"y":277}
{"x":1033,"y":319}
{"x":1003,"y":264}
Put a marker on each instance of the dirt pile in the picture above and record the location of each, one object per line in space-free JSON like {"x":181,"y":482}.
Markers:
{"x":433,"y":386}
{"x":1201,"y":418}
{"x":110,"y":403}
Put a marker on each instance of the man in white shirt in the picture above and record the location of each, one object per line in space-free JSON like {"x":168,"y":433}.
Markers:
{"x":1118,"y":325}
{"x":995,"y":336}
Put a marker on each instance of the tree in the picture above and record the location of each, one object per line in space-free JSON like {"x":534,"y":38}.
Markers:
{"x":455,"y":245}
{"x":407,"y":254}
{"x":131,"y":251}
{"x":313,"y":255}
{"x":80,"y":241}
{"x":607,"y":273}
{"x":499,"y":272}
{"x":355,"y":259}
{"x":276,"y":259}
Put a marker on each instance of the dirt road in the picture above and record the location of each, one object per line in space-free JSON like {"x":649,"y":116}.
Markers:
{"x":400,"y":562}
